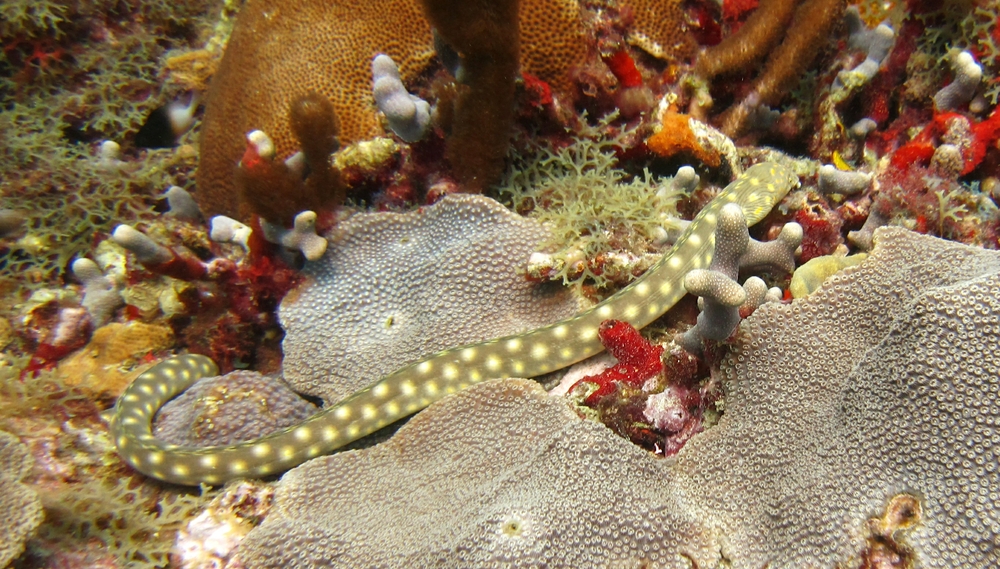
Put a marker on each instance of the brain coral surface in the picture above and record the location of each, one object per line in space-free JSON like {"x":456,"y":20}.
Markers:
{"x":883,"y":382}
{"x":394,"y":287}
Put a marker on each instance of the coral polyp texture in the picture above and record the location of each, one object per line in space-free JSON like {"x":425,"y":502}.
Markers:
{"x":229,"y":409}
{"x":844,"y":367}
{"x":662,"y":29}
{"x":20,"y":506}
{"x":316,"y":46}
{"x":848,"y":421}
{"x":846,"y":435}
{"x":418,"y":384}
{"x":326,"y":47}
{"x":477,"y":492}
{"x":403,"y":285}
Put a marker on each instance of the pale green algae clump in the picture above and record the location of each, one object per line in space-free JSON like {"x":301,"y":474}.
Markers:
{"x":589,"y":204}
{"x":96,"y":80}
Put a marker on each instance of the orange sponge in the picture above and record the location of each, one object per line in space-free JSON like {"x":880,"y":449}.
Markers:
{"x":676,"y":137}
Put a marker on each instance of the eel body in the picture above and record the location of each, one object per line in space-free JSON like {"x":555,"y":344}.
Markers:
{"x":417,"y":385}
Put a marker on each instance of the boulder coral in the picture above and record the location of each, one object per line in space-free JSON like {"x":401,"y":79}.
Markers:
{"x":231,"y":408}
{"x":279,"y":51}
{"x":848,"y":437}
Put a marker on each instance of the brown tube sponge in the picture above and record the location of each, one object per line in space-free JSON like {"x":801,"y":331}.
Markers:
{"x":744,"y":49}
{"x":808,"y":32}
{"x":485,"y":35}
{"x":276,"y":192}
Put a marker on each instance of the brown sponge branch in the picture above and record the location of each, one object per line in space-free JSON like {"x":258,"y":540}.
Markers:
{"x":748,"y":46}
{"x":485,"y":35}
{"x":277,"y":192}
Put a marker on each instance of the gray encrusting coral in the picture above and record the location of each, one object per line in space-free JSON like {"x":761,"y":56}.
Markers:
{"x":20,"y":506}
{"x":403,"y":285}
{"x":822,"y":443}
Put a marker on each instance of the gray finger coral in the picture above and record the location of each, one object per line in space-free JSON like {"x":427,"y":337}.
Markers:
{"x":404,"y":285}
{"x":722,"y":300}
{"x":860,"y":424}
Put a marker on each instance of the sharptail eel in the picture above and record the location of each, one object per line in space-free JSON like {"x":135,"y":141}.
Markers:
{"x":417,"y":385}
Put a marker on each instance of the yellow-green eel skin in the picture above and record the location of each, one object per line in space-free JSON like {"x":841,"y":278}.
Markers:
{"x":417,"y":385}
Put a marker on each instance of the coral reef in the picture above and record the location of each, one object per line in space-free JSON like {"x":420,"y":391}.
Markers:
{"x":277,"y":191}
{"x":968,"y":75}
{"x":102,"y":293}
{"x":636,"y":360}
{"x":72,"y":77}
{"x":874,"y":376}
{"x":675,"y":136}
{"x":314,"y":47}
{"x":210,"y":539}
{"x":97,"y":513}
{"x":842,"y":365}
{"x":423,"y":381}
{"x":229,"y":409}
{"x":409,"y":116}
{"x":722,"y":300}
{"x":661,"y":29}
{"x":806,"y":34}
{"x":593,"y":210}
{"x":484,"y":33}
{"x":812,"y":464}
{"x":301,"y":237}
{"x":479,"y":493}
{"x":115,"y":355}
{"x":270,"y":61}
{"x":813,"y":273}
